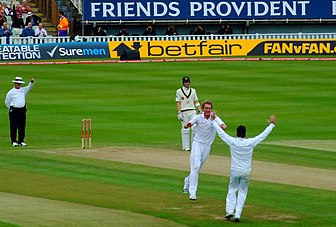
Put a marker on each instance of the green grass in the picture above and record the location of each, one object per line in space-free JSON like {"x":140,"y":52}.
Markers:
{"x":133,"y":104}
{"x":139,"y":96}
{"x":5,"y":224}
{"x":156,"y":191}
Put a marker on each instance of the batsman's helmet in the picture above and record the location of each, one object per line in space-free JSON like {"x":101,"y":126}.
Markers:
{"x":186,"y":79}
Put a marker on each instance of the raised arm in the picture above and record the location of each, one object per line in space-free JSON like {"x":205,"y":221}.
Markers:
{"x":266,"y":132}
{"x":220,"y":126}
{"x":29,"y":86}
{"x":219,"y":121}
{"x":222,"y":134}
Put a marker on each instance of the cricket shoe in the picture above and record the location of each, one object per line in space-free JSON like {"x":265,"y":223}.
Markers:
{"x":23,"y":144}
{"x":192,"y":197}
{"x":236,"y":220}
{"x":15,"y":144}
{"x":228,"y":216}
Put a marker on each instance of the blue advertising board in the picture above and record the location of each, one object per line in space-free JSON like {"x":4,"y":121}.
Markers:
{"x":71,"y":50}
{"x":137,"y":10}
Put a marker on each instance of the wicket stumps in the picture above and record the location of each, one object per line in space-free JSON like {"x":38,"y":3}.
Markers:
{"x":86,"y":133}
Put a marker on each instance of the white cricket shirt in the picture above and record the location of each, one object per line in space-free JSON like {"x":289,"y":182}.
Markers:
{"x":205,"y":132}
{"x":186,"y":97}
{"x":17,"y":97}
{"x":241,"y":149}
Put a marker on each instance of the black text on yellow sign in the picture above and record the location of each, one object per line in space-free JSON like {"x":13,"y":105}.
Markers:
{"x":186,"y":48}
{"x":223,"y":48}
{"x":295,"y":48}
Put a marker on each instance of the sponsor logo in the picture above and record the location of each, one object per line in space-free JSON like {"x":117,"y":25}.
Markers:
{"x":121,"y":48}
{"x":179,"y":48}
{"x":299,"y":48}
{"x":19,"y":52}
{"x":52,"y":52}
{"x":210,"y":9}
{"x":294,"y":47}
{"x":203,"y":48}
{"x":66,"y":51}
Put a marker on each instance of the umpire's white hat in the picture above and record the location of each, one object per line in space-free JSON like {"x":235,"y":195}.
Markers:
{"x":18,"y":80}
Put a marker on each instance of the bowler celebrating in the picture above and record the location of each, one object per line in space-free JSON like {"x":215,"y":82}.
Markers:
{"x":204,"y":137}
{"x":241,"y":149}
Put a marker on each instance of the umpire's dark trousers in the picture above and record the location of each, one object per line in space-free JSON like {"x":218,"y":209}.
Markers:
{"x":17,"y":121}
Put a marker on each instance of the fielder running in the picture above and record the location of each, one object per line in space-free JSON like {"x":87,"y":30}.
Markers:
{"x":241,"y":149}
{"x":204,"y":137}
{"x":186,"y":101}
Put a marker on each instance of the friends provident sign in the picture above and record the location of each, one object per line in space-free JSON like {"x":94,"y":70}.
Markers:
{"x":107,"y":10}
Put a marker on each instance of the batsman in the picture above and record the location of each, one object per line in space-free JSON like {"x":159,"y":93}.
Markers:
{"x":186,"y":101}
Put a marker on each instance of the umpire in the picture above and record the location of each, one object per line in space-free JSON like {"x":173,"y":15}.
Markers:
{"x":16,"y":104}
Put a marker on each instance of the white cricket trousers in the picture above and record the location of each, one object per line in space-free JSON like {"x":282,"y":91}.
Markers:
{"x":185,"y":132}
{"x":238,"y":182}
{"x":199,"y":154}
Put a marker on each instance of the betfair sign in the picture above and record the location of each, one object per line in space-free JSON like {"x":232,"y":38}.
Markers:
{"x":223,"y":48}
{"x":176,"y":49}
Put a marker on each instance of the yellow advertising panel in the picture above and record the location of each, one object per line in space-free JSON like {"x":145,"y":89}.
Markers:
{"x":222,"y":48}
{"x":184,"y":49}
{"x":295,"y":47}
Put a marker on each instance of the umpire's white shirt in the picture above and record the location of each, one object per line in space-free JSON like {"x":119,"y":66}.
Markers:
{"x":205,"y":133}
{"x":17,"y":97}
{"x":241,"y":149}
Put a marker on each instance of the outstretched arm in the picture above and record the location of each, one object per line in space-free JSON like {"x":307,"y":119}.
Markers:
{"x":29,"y":86}
{"x":266,"y":132}
{"x":220,"y":130}
{"x":219,"y":121}
{"x":272,"y":119}
{"x":222,"y":134}
{"x":223,"y":126}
